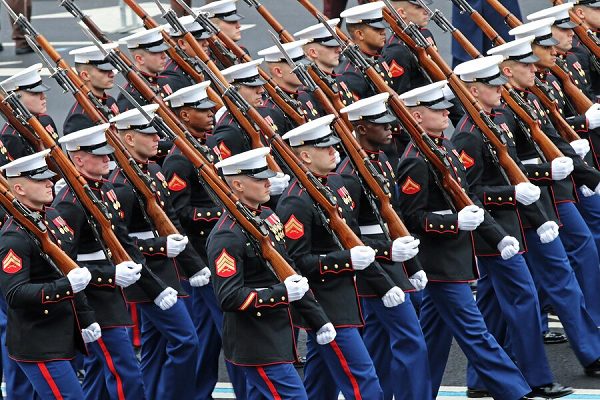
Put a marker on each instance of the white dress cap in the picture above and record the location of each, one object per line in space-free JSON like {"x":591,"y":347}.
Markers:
{"x":517,"y":50}
{"x":369,"y":13}
{"x":93,"y":56}
{"x":252,"y":163}
{"x":372,"y":109}
{"x":192,"y":26}
{"x":293,"y":49}
{"x":225,"y":10}
{"x":430,"y":96}
{"x":560,"y":12}
{"x":91,"y":140}
{"x":315,"y":133}
{"x":194,"y":96}
{"x":150,"y":40}
{"x":32,"y":166}
{"x":244,"y":73}
{"x":484,"y":69}
{"x":136,"y":121}
{"x":28,"y":79}
{"x":541,"y":29}
{"x":319,"y":34}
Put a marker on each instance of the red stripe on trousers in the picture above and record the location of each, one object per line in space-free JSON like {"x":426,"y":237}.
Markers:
{"x":111,"y":367}
{"x":263,"y":375}
{"x":346,"y":368}
{"x":137,"y":340}
{"x":50,"y":381}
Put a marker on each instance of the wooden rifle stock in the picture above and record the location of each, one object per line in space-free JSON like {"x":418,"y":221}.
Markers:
{"x":16,"y":209}
{"x":33,"y":141}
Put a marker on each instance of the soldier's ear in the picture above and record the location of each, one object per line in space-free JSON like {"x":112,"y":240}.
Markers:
{"x":360,"y":129}
{"x":305,"y":156}
{"x":506,"y":70}
{"x":184,"y":115}
{"x":474,"y":90}
{"x":401,"y":11}
{"x":579,"y":12}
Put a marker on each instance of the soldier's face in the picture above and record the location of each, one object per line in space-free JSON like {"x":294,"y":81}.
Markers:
{"x":231,"y":29}
{"x":198,"y":120}
{"x":432,"y":121}
{"x":253,"y":192}
{"x":155,"y":62}
{"x":591,"y":16}
{"x":34,"y":102}
{"x":252,"y":94}
{"x":92,"y":165}
{"x":102,"y":80}
{"x":328,"y":57}
{"x":34,"y":194}
{"x":288,"y":76}
{"x":321,"y":160}
{"x":415,"y":14}
{"x":519,"y":74}
{"x":547,"y":55}
{"x":564,"y":37}
{"x":145,"y":146}
{"x":489,"y":96}
{"x":374,"y":38}
{"x":376,"y":134}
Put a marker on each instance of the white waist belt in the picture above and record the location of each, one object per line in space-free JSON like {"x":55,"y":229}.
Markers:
{"x":442,"y":212}
{"x":95,"y":256}
{"x":532,"y":161}
{"x":142,"y":235}
{"x":371,"y":229}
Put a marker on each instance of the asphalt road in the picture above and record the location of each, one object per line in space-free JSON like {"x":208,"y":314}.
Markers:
{"x":565,"y":367}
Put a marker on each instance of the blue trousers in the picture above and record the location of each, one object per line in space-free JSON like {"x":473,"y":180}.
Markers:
{"x":170,"y":352}
{"x":53,"y":379}
{"x":342,"y":365}
{"x":112,"y":370}
{"x":397,"y":347}
{"x":278,"y":381}
{"x":449,"y":310}
{"x":508,"y":301}
{"x":553,"y":275}
{"x":589,"y":208}
{"x":579,"y":243}
{"x":208,"y":320}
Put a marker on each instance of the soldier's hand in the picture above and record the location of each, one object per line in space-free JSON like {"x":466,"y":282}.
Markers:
{"x":296,"y":286}
{"x":362,"y":257}
{"x":79,"y":279}
{"x":419,"y":280}
{"x":548,"y":231}
{"x":278,"y":183}
{"x":127,"y":273}
{"x":394,"y":297}
{"x":508,"y":247}
{"x":593,"y":116}
{"x":586,"y":191}
{"x":527,"y":193}
{"x":470,"y":217}
{"x":326,"y":334}
{"x":176,"y":244}
{"x":166,"y":299}
{"x":404,"y":248}
{"x":581,"y":147}
{"x":561,"y":168}
{"x":200,"y":278}
{"x":91,"y":333}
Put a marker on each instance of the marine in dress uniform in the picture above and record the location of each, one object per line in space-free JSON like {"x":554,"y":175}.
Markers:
{"x":258,"y":332}
{"x":28,"y":84}
{"x":198,"y":214}
{"x":505,"y":286}
{"x":112,"y":369}
{"x":98,"y":74}
{"x":448,"y":308}
{"x":331,"y":270}
{"x":42,"y":302}
{"x":392,"y":335}
{"x":170,"y":348}
{"x":585,"y":10}
{"x":225,"y":15}
{"x":546,"y":256}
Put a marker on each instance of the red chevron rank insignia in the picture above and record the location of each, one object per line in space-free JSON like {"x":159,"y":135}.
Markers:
{"x":224,"y":151}
{"x":293,"y":228}
{"x":396,"y":70}
{"x":466,"y":159}
{"x":225,"y":265}
{"x":176,"y":184}
{"x":410,"y":187}
{"x":12,"y":263}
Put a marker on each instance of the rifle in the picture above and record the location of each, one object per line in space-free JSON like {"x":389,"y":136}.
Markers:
{"x":436,"y":67}
{"x":33,"y":225}
{"x":436,"y":157}
{"x":222,"y":194}
{"x":70,"y":82}
{"x":544,"y":147}
{"x":175,"y":53}
{"x":576,"y":96}
{"x":373,"y":183}
{"x":539,"y":89}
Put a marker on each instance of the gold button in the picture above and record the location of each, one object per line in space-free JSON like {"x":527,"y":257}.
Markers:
{"x":537,"y":173}
{"x":208,"y":214}
{"x":272,"y":300}
{"x":162,"y":249}
{"x":347,"y":265}
{"x":547,"y":174}
{"x":141,"y":248}
{"x":218,"y":213}
{"x":325,"y":267}
{"x":442,"y":226}
{"x":431,"y":225}
{"x":47,"y":297}
{"x":451,"y":226}
{"x":58,"y":296}
{"x":335,"y":266}
{"x":199,"y":214}
{"x":68,"y":292}
{"x":99,"y":279}
{"x":376,"y":250}
{"x":260,"y":301}
{"x":489,"y":199}
{"x":201,"y":233}
{"x":385,"y":253}
{"x":499,"y":198}
{"x":510,"y":199}
{"x":151,"y":248}
{"x":46,"y":312}
{"x":258,"y":314}
{"x":283,"y":298}
{"x":109,"y":280}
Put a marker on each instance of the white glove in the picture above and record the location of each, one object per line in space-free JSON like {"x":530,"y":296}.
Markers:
{"x":508,"y":247}
{"x":166,"y":299}
{"x":200,"y":278}
{"x":326,"y":334}
{"x":561,"y":168}
{"x":279,"y":182}
{"x":581,"y":147}
{"x":176,"y":244}
{"x":418,"y":280}
{"x":404,"y":248}
{"x":338,"y":158}
{"x":597,"y":189}
{"x":296,"y":286}
{"x":79,"y":279}
{"x":394,"y":297}
{"x":586,"y":191}
{"x":91,"y":333}
{"x":548,"y":231}
{"x":470,"y":217}
{"x":527,"y":193}
{"x":127,"y":273}
{"x":59,"y":185}
{"x":593,"y":116}
{"x":362,"y":257}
